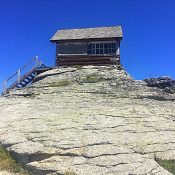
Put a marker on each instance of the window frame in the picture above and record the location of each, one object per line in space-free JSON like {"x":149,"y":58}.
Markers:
{"x":102,"y":48}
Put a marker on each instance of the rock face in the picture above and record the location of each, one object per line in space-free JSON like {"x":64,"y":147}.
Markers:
{"x":8,"y":173}
{"x":164,"y":82}
{"x":89,"y":120}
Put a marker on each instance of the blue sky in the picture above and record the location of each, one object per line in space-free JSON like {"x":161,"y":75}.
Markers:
{"x":147,"y":48}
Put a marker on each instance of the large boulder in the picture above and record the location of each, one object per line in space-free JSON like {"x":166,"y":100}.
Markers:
{"x":164,"y":82}
{"x":89,"y":120}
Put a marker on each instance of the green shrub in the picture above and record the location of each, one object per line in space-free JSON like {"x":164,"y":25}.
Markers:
{"x":167,"y":164}
{"x":9,"y":164}
{"x":69,"y":172}
{"x":79,"y":67}
{"x":93,"y":78}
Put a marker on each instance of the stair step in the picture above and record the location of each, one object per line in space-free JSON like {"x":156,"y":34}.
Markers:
{"x":27,"y":77}
{"x":18,"y":86}
{"x":27,"y":80}
{"x":30,"y":77}
{"x":22,"y":85}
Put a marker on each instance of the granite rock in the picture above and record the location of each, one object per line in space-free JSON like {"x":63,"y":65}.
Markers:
{"x":89,"y":120}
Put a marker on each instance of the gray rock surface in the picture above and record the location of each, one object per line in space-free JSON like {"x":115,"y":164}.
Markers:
{"x":90,"y":120}
{"x":7,"y":173}
{"x":164,"y":82}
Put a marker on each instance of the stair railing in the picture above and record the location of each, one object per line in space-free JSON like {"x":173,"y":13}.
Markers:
{"x":16,"y":77}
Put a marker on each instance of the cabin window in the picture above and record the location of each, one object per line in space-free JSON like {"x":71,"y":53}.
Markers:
{"x":102,"y":48}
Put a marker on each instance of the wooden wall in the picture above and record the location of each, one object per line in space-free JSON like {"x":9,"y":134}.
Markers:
{"x":75,"y":53}
{"x":85,"y":60}
{"x":72,"y":48}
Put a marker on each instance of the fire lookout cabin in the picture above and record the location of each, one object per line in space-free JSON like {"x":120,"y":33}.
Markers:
{"x":88,"y":46}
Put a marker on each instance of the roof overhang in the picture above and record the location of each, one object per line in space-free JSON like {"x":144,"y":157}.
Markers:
{"x":99,"y":33}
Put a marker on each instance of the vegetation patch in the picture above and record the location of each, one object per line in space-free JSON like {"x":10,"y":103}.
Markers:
{"x":78,"y":67}
{"x":93,"y":78}
{"x":9,"y":164}
{"x":60,"y":83}
{"x":69,"y":172}
{"x":167,"y":164}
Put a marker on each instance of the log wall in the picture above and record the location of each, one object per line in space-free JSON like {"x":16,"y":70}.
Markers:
{"x":76,"y":53}
{"x":86,"y":60}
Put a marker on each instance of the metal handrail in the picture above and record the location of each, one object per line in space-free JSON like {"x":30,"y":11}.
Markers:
{"x":30,"y":62}
{"x":18,"y":72}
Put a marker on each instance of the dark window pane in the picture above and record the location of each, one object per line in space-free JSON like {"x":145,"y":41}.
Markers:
{"x":113,"y":45}
{"x":113,"y":50}
{"x":101,"y":51}
{"x":106,"y":51}
{"x":101,"y":46}
{"x":106,"y":45}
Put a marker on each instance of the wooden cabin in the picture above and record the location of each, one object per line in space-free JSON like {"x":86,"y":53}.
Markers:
{"x":88,"y":46}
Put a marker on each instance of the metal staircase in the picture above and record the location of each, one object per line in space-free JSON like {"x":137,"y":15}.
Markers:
{"x":24,"y":76}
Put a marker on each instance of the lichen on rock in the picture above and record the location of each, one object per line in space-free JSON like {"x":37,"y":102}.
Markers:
{"x":92,"y":120}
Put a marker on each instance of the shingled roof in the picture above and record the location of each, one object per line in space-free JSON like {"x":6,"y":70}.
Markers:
{"x":88,"y":33}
